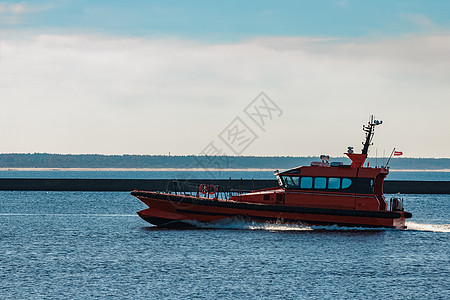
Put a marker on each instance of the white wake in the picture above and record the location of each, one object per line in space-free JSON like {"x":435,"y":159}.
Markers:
{"x":428,"y":227}
{"x":253,"y":225}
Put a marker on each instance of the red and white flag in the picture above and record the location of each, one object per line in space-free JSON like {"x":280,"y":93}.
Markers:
{"x":398,"y":153}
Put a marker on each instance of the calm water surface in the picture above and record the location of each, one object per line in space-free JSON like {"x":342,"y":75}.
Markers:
{"x":92,"y":245}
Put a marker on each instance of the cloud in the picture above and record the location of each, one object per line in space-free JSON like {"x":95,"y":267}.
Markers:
{"x":14,"y":13}
{"x":421,"y":21}
{"x":105,"y":94}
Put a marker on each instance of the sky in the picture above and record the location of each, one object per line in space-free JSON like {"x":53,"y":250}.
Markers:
{"x":266,"y":78}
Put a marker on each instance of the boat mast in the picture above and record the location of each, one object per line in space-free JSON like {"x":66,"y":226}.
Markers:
{"x":369,"y":129}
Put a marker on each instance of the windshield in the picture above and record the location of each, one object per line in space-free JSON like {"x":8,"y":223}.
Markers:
{"x":290,"y":182}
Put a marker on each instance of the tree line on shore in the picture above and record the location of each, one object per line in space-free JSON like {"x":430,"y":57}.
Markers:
{"x":46,"y":160}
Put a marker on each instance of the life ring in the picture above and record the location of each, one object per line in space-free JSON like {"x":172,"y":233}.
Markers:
{"x":203,"y":188}
{"x":212,"y":189}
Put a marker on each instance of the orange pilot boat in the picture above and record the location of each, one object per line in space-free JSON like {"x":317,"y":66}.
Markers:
{"x":323,"y":193}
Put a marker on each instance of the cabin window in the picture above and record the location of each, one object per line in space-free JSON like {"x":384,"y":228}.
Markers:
{"x":320,"y":182}
{"x":334,"y":183}
{"x":295,"y":181}
{"x":306,"y":182}
{"x":291,"y":182}
{"x":346,"y":183}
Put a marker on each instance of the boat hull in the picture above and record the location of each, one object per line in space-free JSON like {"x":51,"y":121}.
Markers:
{"x":172,"y":210}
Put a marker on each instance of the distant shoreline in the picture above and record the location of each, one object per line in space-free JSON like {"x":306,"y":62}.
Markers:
{"x":45,"y":162}
{"x":182,"y":169}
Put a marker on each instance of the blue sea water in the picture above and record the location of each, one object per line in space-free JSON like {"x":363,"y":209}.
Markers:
{"x":92,"y":245}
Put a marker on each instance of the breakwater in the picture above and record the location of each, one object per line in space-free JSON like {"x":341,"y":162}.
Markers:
{"x":64,"y":184}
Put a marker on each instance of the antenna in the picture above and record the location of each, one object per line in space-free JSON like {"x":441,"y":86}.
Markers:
{"x":393,"y":150}
{"x":369,"y":129}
